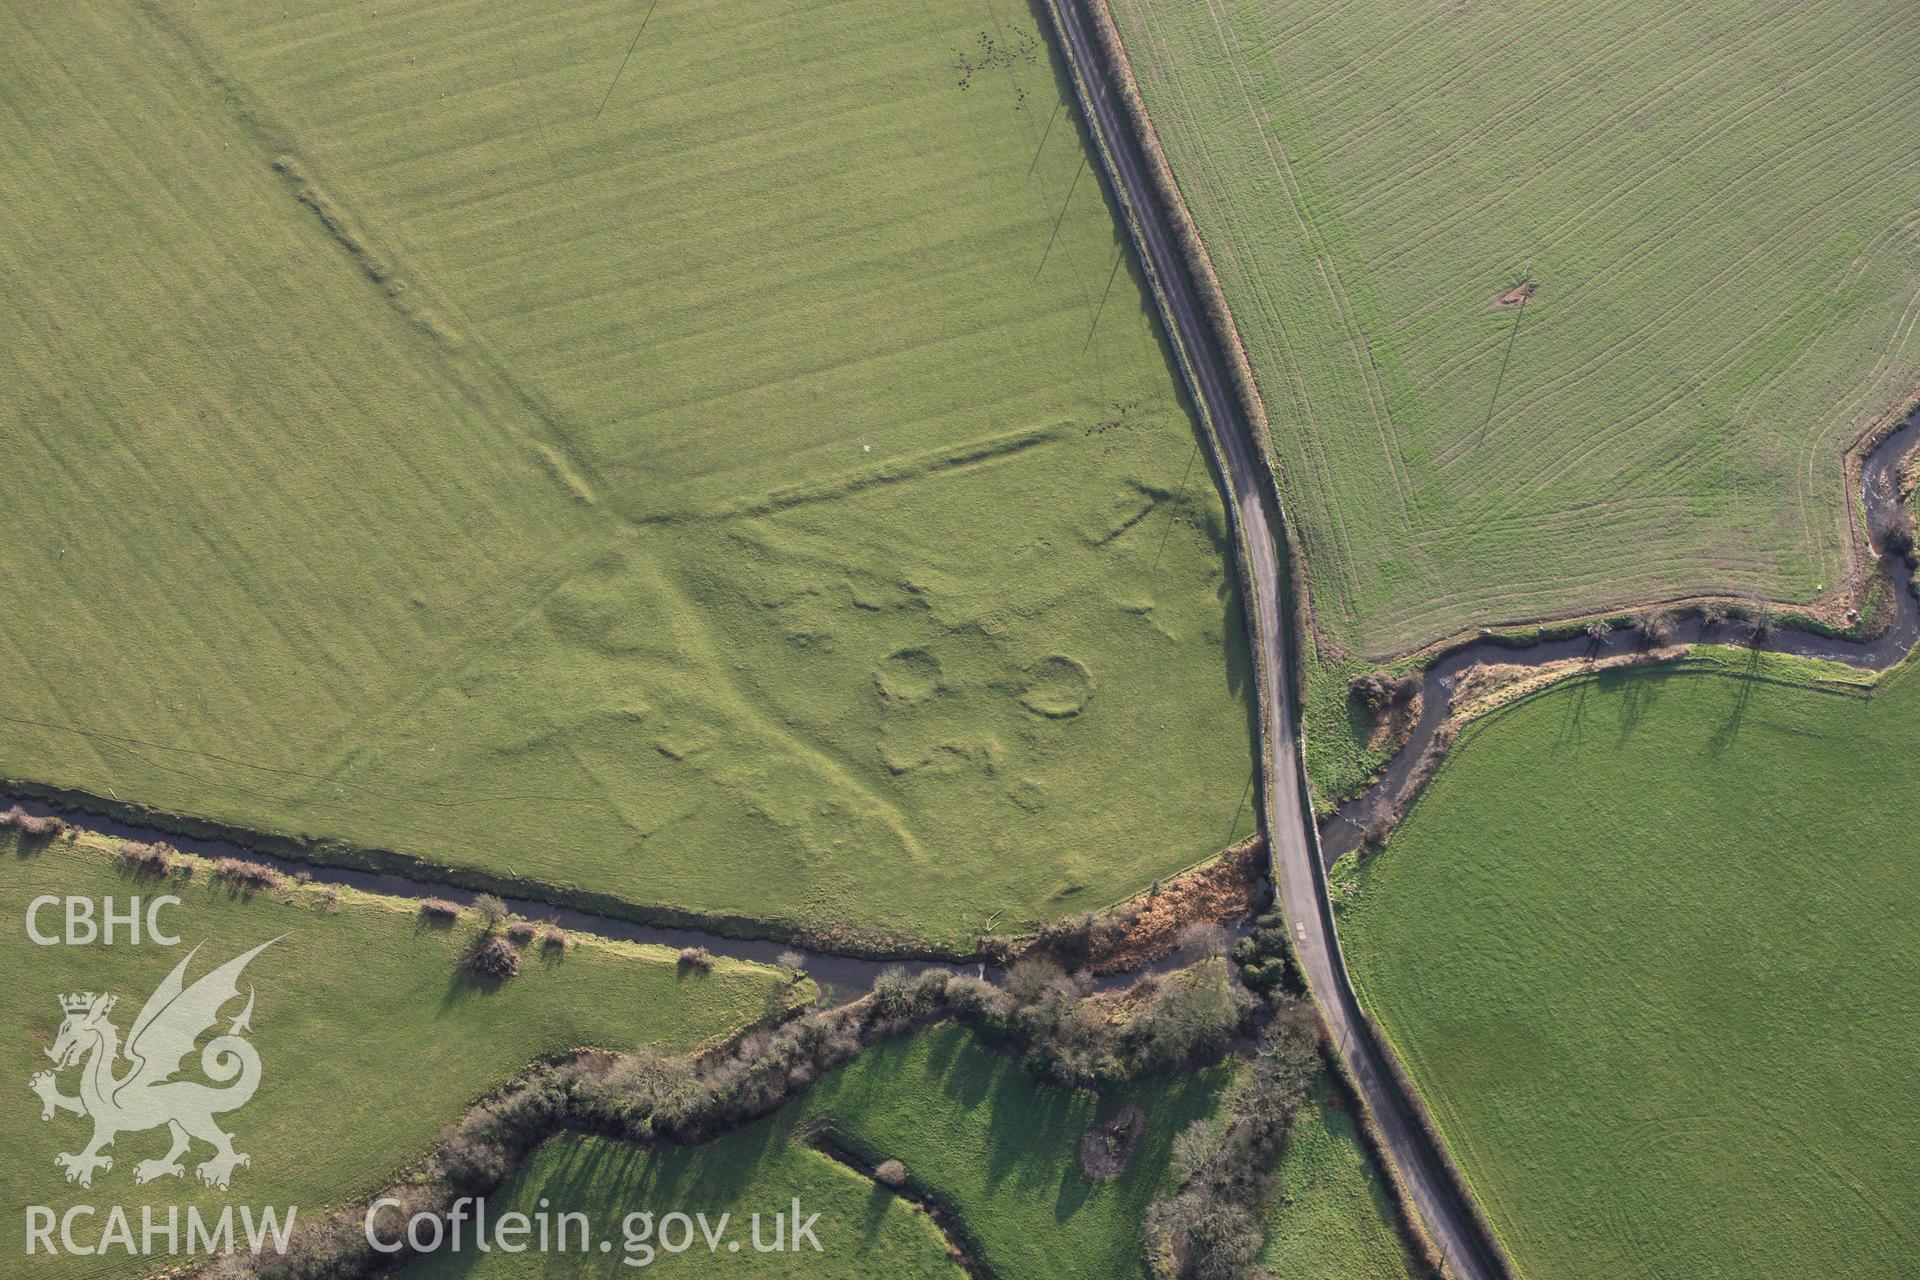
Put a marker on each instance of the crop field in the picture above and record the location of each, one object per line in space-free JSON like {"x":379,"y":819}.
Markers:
{"x":1555,"y":305}
{"x":370,"y":1037}
{"x":720,"y":462}
{"x":1646,"y":946}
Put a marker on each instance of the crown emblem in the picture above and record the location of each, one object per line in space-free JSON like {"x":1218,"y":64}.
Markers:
{"x":169,"y":1030}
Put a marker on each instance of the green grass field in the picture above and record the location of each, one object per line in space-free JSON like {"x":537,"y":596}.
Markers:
{"x":1333,"y":1218}
{"x":734,"y":488}
{"x":1646,"y":946}
{"x":370,"y":1037}
{"x":1002,"y":1152}
{"x":996,"y":1148}
{"x":1714,"y":206}
{"x":865,"y":1232}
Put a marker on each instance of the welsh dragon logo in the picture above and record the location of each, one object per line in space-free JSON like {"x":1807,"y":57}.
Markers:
{"x":145,"y":1094}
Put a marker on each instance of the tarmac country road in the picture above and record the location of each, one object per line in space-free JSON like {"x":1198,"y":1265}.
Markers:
{"x":1297,"y":873}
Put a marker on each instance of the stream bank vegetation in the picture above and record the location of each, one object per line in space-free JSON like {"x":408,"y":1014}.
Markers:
{"x":1152,"y":1059}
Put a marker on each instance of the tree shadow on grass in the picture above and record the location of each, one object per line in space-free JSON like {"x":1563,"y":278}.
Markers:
{"x":1723,"y":737}
{"x":425,"y":923}
{"x":1573,"y":724}
{"x":1635,"y":690}
{"x":464,"y":983}
{"x":30,"y":846}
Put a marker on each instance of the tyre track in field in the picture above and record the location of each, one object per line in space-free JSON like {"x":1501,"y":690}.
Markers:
{"x":1299,"y":879}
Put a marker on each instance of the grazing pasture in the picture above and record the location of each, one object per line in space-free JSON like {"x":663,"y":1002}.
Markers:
{"x":1645,"y":945}
{"x":865,"y":1232}
{"x":371,"y":1038}
{"x":1001,"y":1151}
{"x":1333,"y":1217}
{"x":995,"y":1148}
{"x":1553,"y":305}
{"x":714,"y":458}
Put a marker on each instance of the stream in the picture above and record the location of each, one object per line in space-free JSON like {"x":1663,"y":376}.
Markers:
{"x":1342,"y":830}
{"x":845,"y":977}
{"x":841,"y":978}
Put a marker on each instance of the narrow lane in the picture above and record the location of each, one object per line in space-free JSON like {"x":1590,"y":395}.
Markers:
{"x":1298,"y":876}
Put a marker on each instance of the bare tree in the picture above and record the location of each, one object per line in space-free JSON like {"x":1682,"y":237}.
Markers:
{"x":1203,"y":939}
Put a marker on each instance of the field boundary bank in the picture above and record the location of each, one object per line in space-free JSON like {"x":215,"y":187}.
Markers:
{"x":843,"y":975}
{"x":1624,"y":640}
{"x":353,"y":232}
{"x":467,"y":363}
{"x":1859,"y":577}
{"x":1431,"y":1197}
{"x":1411,"y":1231}
{"x":133,"y":821}
{"x":1497,"y":1260}
{"x":544,"y":1098}
{"x":1856,"y":461}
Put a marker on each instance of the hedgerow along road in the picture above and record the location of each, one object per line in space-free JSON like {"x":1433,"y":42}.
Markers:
{"x":1297,"y":872}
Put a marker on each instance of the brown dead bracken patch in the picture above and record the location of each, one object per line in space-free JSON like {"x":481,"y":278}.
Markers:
{"x":1394,"y":728}
{"x":1228,"y":889}
{"x":1516,"y":296}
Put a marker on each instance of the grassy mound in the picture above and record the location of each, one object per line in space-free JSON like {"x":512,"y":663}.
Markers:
{"x":1645,"y":945}
{"x":371,"y":1035}
{"x":721,"y":484}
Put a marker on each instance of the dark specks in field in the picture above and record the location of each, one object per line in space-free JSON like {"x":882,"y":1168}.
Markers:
{"x":1122,"y":418}
{"x":992,"y":53}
